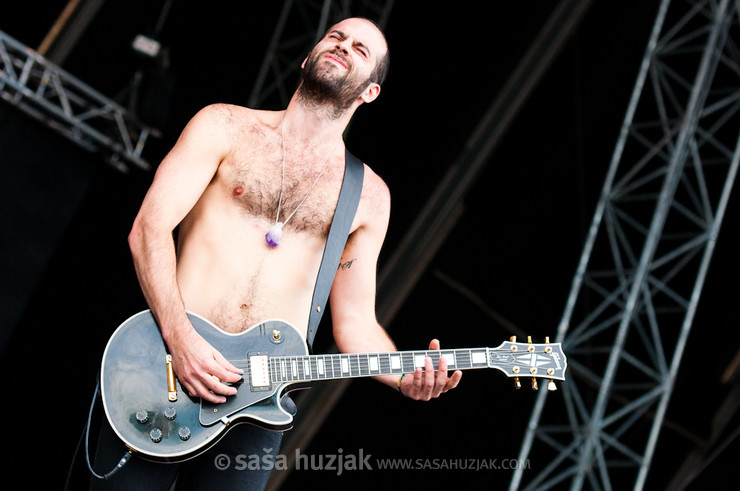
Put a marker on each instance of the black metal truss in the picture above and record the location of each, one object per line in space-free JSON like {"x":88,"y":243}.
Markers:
{"x":67,"y":105}
{"x":634,"y":294}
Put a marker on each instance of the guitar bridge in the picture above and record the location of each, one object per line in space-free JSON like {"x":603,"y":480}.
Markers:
{"x":171,"y":385}
{"x":259,"y":372}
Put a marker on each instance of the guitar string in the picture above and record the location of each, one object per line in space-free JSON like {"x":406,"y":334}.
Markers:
{"x":289,"y":368}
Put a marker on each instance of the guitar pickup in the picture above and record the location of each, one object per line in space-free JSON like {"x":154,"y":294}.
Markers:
{"x":259,"y":372}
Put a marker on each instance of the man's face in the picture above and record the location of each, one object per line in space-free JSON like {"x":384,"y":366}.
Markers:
{"x":338,"y":69}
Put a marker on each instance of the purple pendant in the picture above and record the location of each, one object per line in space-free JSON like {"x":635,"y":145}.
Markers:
{"x":273,"y":236}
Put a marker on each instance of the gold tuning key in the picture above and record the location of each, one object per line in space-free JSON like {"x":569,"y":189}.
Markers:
{"x":551,"y":386}
{"x":530,"y":348}
{"x":517,"y":383}
{"x":534,"y":384}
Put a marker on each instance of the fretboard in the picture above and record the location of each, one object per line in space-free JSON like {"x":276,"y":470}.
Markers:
{"x":351,"y":365}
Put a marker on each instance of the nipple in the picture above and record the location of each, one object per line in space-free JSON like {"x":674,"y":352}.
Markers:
{"x":238,"y":191}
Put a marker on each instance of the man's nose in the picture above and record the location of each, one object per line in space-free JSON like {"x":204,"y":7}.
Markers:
{"x":344,"y":45}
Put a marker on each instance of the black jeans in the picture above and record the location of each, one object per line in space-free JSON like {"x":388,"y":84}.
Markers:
{"x":224,"y":467}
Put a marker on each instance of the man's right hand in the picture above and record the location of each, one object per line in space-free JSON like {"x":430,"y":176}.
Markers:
{"x":201,"y":368}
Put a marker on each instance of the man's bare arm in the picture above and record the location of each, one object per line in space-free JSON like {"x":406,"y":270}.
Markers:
{"x":178,"y":184}
{"x":355,"y":327}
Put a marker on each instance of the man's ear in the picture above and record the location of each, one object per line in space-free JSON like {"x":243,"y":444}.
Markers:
{"x":303,"y":65}
{"x":371,"y":93}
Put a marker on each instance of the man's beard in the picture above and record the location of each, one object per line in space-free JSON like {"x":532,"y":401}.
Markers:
{"x":322,"y":88}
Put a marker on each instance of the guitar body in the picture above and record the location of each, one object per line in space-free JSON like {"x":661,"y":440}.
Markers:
{"x":135,"y":391}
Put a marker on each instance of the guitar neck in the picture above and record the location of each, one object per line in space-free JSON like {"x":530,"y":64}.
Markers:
{"x":312,"y":368}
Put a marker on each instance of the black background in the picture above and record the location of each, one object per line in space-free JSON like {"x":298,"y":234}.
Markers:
{"x":516,"y":247}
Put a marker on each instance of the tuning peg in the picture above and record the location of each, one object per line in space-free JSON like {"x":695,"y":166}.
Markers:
{"x":530,"y":348}
{"x":551,"y":386}
{"x":512,"y":339}
{"x":517,"y":383}
{"x":534,"y":384}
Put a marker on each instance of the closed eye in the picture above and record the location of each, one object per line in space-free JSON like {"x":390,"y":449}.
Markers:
{"x":362,"y":50}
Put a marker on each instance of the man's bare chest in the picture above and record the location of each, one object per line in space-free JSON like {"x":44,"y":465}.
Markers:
{"x":303,"y":194}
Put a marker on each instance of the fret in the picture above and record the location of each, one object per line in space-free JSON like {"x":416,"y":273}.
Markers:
{"x":363,"y":365}
{"x":335,"y":367}
{"x":407,"y":361}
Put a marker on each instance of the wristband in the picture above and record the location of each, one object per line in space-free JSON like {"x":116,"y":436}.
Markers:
{"x":399,"y":382}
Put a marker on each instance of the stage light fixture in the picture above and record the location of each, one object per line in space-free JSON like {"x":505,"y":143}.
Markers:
{"x":146,"y":46}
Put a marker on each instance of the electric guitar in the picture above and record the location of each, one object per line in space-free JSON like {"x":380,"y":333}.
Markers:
{"x":156,"y":418}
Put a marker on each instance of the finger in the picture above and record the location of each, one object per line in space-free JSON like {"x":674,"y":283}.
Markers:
{"x":434,"y":344}
{"x":225,"y":370}
{"x":441,"y":378}
{"x":215,"y":385}
{"x":202,"y":390}
{"x":417,"y":383}
{"x":428,"y":379}
{"x":453,"y":380}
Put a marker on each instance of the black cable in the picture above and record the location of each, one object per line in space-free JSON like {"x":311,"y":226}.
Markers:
{"x":124,"y":460}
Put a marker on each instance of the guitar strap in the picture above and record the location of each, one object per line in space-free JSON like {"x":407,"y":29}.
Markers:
{"x":349,"y":197}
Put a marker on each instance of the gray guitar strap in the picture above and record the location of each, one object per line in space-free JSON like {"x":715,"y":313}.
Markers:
{"x":349,"y":197}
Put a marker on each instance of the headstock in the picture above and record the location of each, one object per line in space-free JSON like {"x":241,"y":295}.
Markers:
{"x":543,"y":360}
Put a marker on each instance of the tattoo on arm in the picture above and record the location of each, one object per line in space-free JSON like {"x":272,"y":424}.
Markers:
{"x":346,"y":264}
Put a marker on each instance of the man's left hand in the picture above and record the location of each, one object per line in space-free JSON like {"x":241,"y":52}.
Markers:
{"x":424,"y":385}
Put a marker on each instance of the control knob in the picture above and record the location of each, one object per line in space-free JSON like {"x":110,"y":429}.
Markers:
{"x":142,"y":416}
{"x":184,"y":433}
{"x":170,"y":413}
{"x":156,"y":435}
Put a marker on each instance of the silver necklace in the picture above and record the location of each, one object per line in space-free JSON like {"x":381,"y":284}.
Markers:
{"x":275,"y":233}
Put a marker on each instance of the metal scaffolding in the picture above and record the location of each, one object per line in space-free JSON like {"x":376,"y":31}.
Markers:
{"x":638,"y":282}
{"x":69,"y":106}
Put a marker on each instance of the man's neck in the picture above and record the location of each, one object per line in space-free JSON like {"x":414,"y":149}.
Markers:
{"x":314,"y":122}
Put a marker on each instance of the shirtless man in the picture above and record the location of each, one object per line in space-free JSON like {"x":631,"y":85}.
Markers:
{"x":235,"y":172}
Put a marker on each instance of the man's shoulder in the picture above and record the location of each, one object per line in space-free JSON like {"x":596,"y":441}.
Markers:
{"x":375,"y":191}
{"x":233,"y":115}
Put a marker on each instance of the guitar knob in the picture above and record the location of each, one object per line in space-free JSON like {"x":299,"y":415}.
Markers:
{"x":183,"y":433}
{"x":142,"y":417}
{"x":170,"y":413}
{"x":156,"y":435}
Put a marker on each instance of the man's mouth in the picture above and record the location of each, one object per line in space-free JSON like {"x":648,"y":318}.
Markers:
{"x":336,"y":59}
